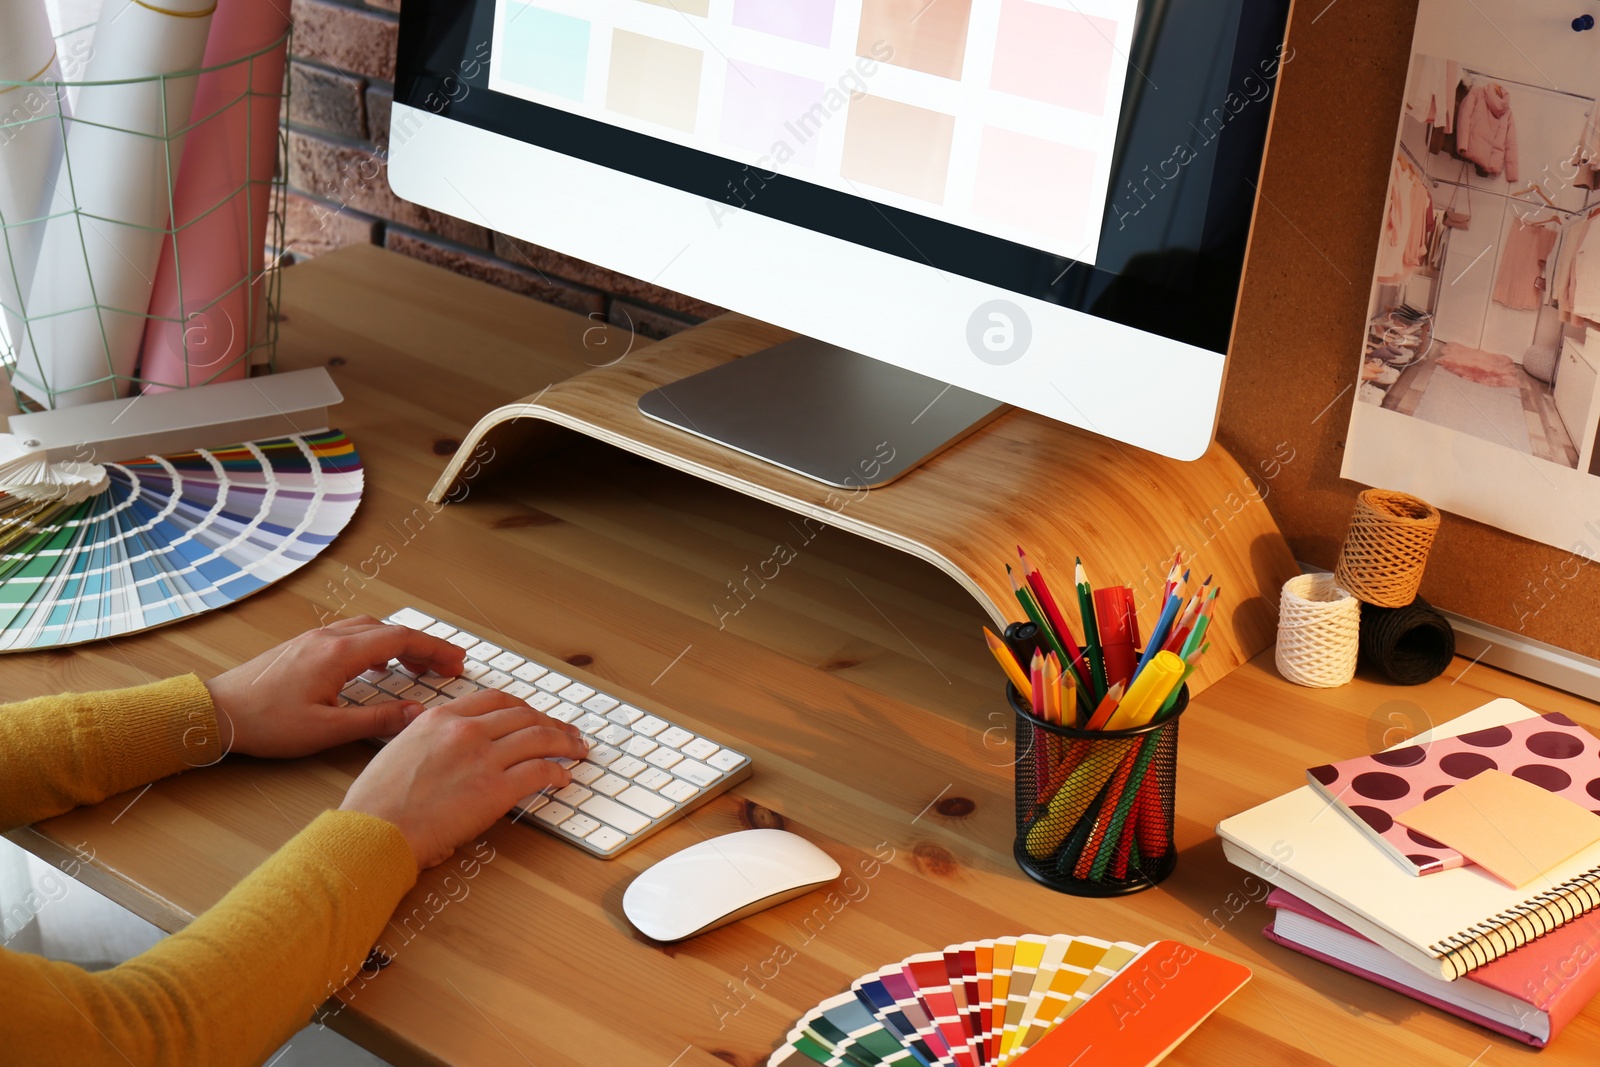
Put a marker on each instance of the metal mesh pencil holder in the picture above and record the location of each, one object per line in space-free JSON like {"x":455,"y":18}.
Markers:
{"x":1095,"y":807}
{"x":25,"y":339}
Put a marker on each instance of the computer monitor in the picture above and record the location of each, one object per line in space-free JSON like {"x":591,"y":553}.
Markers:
{"x":959,"y":204}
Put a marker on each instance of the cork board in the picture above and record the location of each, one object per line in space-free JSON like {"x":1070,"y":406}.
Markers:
{"x":1302,"y":313}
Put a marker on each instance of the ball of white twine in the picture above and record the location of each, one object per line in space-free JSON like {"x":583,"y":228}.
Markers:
{"x":1319,"y":632}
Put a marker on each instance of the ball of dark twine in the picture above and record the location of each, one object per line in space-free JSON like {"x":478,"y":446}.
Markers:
{"x":1408,"y":645}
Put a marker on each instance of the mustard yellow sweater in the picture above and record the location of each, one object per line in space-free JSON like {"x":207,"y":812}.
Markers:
{"x":239,"y":980}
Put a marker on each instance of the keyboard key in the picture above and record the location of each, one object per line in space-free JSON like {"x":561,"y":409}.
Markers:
{"x":572,"y":793}
{"x":420,"y":693}
{"x":437,"y":701}
{"x":440,"y":629}
{"x":639,"y":746}
{"x":360,"y":692}
{"x":599,"y":703}
{"x":586,"y":772}
{"x":615,"y":735}
{"x":674,"y":737}
{"x":627,"y":766}
{"x":663,"y":758}
{"x":373,"y":677}
{"x":475,"y":670}
{"x":462,"y":639}
{"x":699,"y":748}
{"x":604,"y":755}
{"x":522,"y":691}
{"x":726,"y":760}
{"x":553,"y":813}
{"x":580,"y":826}
{"x":529,"y":805}
{"x":610,"y":812}
{"x":396,"y":682}
{"x":649,"y":726}
{"x":529,"y":672}
{"x":610,"y":785}
{"x":340,"y":701}
{"x":605,"y":839}
{"x":545,"y":701}
{"x":553,"y":682}
{"x":484,"y":651}
{"x":625,"y":714}
{"x":506,"y":661}
{"x":696,"y":772}
{"x":654,"y":778}
{"x":495,"y":680}
{"x":679,"y":790}
{"x":591,"y":723}
{"x":413,"y":618}
{"x":458,"y":688}
{"x":433,"y":680}
{"x":565,"y":762}
{"x":643,"y":800}
{"x":577,"y":692}
{"x":562,"y":713}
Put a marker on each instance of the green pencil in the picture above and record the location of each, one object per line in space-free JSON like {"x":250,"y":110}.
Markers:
{"x":1091,"y":634}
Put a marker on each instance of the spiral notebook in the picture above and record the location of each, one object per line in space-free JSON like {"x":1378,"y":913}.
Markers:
{"x":1445,"y":924}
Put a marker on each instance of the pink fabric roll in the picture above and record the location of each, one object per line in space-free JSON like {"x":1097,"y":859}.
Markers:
{"x":221,"y":222}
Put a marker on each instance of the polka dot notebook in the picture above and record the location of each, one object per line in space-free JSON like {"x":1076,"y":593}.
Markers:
{"x":1550,"y":751}
{"x":170,"y":537}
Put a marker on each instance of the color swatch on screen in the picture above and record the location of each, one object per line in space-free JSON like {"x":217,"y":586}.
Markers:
{"x":171,"y":537}
{"x":1000,"y":118}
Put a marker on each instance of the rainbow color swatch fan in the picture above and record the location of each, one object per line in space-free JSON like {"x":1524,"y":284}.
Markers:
{"x":89,"y":551}
{"x":1058,"y":1001}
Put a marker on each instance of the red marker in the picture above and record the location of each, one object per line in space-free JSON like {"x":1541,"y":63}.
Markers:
{"x":1113,"y":607}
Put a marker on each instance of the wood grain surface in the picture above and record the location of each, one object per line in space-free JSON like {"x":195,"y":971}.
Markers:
{"x":855,"y":679}
{"x":1292,"y":371}
{"x":1058,"y":491}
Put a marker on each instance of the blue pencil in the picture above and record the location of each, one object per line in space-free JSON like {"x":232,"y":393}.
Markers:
{"x":1158,"y":636}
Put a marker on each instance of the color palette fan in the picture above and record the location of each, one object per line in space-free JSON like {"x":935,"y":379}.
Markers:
{"x":88,"y":552}
{"x":977,"y":1004}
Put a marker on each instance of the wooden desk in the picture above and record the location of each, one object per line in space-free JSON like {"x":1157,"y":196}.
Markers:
{"x":856,"y":680}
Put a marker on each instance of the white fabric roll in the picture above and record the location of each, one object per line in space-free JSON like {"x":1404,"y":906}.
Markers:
{"x":102,"y":258}
{"x":30,"y":157}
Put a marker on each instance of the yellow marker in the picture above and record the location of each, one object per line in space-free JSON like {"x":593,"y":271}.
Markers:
{"x":1148,"y":691}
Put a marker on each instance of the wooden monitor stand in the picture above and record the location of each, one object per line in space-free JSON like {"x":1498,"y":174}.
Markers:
{"x":1058,"y":491}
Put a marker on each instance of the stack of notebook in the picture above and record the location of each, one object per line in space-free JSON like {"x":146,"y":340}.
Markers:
{"x":1056,"y":1000}
{"x":1359,"y":889}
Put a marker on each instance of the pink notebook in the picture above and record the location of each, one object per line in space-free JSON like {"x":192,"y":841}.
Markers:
{"x":1551,"y":751}
{"x":1530,"y":994}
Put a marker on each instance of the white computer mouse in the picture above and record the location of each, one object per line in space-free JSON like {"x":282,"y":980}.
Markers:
{"x":723,"y":879}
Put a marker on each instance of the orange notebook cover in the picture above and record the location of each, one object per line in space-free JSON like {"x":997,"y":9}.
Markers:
{"x":1143,"y":1013}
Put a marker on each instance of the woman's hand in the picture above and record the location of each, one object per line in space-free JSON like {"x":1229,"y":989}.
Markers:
{"x":460,"y":766}
{"x":285,"y":702}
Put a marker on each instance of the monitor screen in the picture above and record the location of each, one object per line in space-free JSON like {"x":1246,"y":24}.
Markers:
{"x":1098,"y":156}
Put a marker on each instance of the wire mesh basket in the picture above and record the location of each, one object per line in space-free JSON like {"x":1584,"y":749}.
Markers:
{"x":198,"y":322}
{"x":1095,"y":807}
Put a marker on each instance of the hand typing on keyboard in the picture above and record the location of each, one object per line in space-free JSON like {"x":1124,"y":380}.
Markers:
{"x":458,"y":767}
{"x":640,"y":772}
{"x":451,"y":772}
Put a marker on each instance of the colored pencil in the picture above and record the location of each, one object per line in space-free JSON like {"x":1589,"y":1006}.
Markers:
{"x":1008,"y":663}
{"x":1052,"y":690}
{"x":1072,"y":655}
{"x":1158,"y":636}
{"x":1091,"y":633}
{"x":1106,"y":708}
{"x":1106,"y":827}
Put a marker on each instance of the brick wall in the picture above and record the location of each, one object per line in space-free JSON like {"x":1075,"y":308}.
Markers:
{"x":341,"y":79}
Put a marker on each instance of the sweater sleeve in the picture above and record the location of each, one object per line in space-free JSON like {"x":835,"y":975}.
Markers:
{"x":238,"y":981}
{"x":59,"y":752}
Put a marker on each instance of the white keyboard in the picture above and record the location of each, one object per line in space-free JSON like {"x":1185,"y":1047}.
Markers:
{"x":642,"y":771}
